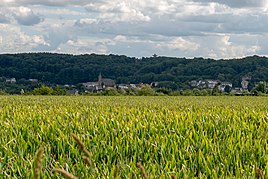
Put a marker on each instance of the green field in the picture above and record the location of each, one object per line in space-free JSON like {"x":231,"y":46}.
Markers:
{"x":202,"y":137}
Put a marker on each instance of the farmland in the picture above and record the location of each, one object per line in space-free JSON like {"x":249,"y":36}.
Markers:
{"x":203,"y":137}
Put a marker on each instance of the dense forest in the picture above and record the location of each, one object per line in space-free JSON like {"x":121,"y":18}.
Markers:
{"x":174,"y":73}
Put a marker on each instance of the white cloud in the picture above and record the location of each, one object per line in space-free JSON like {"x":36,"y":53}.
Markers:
{"x":238,"y":3}
{"x":85,"y":21}
{"x":43,"y":2}
{"x":181,"y":44}
{"x":14,"y":40}
{"x":227,"y":46}
{"x":60,"y":11}
{"x":85,"y":45}
{"x":22,"y":15}
{"x":210,"y":28}
{"x":25,"y":16}
{"x":4,"y":19}
{"x":116,"y":11}
{"x":120,"y":38}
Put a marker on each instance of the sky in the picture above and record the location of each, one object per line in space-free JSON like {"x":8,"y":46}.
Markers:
{"x":137,"y":28}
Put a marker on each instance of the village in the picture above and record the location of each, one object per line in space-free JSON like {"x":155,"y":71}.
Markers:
{"x":222,"y":86}
{"x":103,"y":84}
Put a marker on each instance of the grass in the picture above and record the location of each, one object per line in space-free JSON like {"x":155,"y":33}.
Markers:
{"x":202,"y":137}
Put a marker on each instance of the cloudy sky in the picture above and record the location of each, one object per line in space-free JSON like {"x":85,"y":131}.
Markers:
{"x":181,"y":28}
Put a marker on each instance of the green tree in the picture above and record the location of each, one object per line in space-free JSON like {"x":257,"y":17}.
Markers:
{"x":216,"y":91}
{"x":59,"y":91}
{"x":260,"y":88}
{"x":146,"y":91}
{"x":43,"y":90}
{"x":227,"y":89}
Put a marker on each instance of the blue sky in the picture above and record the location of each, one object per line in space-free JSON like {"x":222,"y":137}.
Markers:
{"x":182,"y":28}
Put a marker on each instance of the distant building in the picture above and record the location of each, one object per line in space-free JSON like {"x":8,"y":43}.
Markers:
{"x":123,"y":86}
{"x":245,"y":82}
{"x":66,"y":86}
{"x":212,"y":83}
{"x":33,"y":80}
{"x":91,"y":86}
{"x":237,"y":90}
{"x":223,"y":85}
{"x":101,"y":84}
{"x":193,"y":83}
{"x":72,"y":92}
{"x":105,"y":82}
{"x":11,"y":80}
{"x":154,"y":84}
{"x":204,"y":83}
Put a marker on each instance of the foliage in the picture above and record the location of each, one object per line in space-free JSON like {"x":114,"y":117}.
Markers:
{"x":46,"y":90}
{"x":146,"y":90}
{"x":59,"y":91}
{"x":172,"y":73}
{"x":216,"y":91}
{"x":43,"y":90}
{"x":261,"y":88}
{"x":227,"y":89}
{"x":2,"y":92}
{"x":190,"y":137}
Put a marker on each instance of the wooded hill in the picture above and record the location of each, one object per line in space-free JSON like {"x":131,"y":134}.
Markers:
{"x":174,"y":73}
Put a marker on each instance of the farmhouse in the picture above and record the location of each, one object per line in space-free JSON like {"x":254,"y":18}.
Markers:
{"x":224,"y":85}
{"x":204,"y":83}
{"x":11,"y":80}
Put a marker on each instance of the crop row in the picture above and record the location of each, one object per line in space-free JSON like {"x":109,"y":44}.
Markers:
{"x":203,"y":137}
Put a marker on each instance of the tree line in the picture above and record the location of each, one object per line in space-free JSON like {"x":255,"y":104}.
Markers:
{"x":170,"y":72}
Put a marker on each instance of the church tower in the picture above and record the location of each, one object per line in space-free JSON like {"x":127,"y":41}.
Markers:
{"x":100,"y":80}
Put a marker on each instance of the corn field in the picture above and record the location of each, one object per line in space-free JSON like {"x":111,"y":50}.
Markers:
{"x":188,"y":137}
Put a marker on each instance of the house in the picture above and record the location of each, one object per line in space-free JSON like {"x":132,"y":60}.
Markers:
{"x":245,"y":82}
{"x":123,"y":86}
{"x":33,"y":80}
{"x":66,"y":86}
{"x":154,"y":84}
{"x":212,"y":83}
{"x":204,"y":83}
{"x":11,"y":80}
{"x":223,"y":85}
{"x":92,"y":86}
{"x":193,"y":83}
{"x":237,"y":90}
{"x":72,"y":92}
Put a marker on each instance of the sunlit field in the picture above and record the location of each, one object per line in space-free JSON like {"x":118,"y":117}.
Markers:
{"x":203,"y":137}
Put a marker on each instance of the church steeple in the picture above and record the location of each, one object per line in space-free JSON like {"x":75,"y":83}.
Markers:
{"x":100,"y":79}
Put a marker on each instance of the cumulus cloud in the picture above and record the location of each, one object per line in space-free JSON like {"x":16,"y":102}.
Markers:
{"x":25,"y":16}
{"x":227,"y":46}
{"x":209,"y":28}
{"x":44,"y":2}
{"x":4,"y":16}
{"x":182,"y":44}
{"x":238,"y":3}
{"x":85,"y":45}
{"x":85,"y":21}
{"x":12,"y":40}
{"x":114,"y":11}
{"x":55,"y":35}
{"x":4,"y":20}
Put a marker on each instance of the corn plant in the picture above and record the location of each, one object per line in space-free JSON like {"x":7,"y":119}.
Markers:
{"x":186,"y":137}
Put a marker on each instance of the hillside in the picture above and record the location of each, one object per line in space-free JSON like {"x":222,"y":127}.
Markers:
{"x":170,"y":72}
